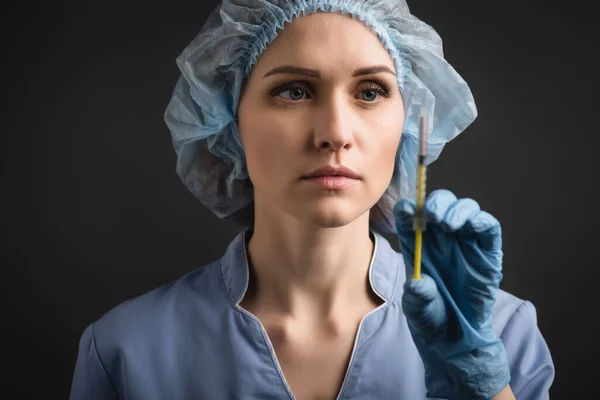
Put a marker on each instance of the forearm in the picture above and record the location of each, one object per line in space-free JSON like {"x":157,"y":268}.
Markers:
{"x":505,"y":394}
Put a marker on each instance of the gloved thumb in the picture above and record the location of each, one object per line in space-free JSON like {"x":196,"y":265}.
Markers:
{"x":424,"y":307}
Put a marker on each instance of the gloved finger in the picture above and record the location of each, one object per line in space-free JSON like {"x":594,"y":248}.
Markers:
{"x":404,"y":212}
{"x":458,"y":214}
{"x":487,"y":229}
{"x":424,"y":306}
{"x":437,"y":204}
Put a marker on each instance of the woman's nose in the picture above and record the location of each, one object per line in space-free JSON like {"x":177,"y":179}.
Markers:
{"x":333,"y":126}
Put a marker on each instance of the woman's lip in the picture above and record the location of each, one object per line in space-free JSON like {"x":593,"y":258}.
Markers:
{"x":334,"y":182}
{"x":333,"y":170}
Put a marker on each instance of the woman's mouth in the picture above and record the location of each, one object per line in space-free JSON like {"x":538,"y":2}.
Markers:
{"x":332,"y":182}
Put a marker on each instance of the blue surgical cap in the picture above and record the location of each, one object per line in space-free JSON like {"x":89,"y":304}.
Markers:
{"x":201,"y":114}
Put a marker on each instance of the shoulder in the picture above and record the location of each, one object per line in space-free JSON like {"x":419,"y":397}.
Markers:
{"x":131,"y":342}
{"x":177,"y":303}
{"x":532,"y":369}
{"x":511,"y":311}
{"x":507,"y":306}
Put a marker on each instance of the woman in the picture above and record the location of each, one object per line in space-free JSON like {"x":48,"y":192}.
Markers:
{"x":298,"y":119}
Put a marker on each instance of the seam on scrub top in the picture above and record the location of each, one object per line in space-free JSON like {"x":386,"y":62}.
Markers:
{"x":245,"y":314}
{"x":381,"y":308}
{"x":510,"y":322}
{"x":272,"y":354}
{"x":371,"y":265}
{"x":231,"y":302}
{"x":399,"y":257}
{"x":512,"y":317}
{"x":101,"y":363}
{"x":359,"y":345}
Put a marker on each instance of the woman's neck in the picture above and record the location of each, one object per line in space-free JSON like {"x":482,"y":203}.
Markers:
{"x":310,"y":272}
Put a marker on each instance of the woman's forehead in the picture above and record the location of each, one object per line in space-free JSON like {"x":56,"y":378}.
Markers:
{"x":325,"y":40}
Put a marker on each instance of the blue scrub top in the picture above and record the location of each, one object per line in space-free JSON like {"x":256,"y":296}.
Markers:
{"x":190,"y":339}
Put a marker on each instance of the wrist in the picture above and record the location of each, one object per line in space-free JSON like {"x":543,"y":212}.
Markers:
{"x":483,"y":372}
{"x":505,"y":394}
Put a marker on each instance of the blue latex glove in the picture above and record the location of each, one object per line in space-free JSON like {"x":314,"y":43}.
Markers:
{"x":449,"y":311}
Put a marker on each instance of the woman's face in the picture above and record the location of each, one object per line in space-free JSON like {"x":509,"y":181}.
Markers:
{"x":324,"y":92}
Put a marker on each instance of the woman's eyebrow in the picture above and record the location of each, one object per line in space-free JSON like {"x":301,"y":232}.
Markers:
{"x":373,"y":70}
{"x":313,"y":73}
{"x":290,"y":69}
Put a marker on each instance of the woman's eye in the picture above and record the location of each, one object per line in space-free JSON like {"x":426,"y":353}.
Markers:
{"x":369,"y":95}
{"x":293,"y":93}
{"x":373,"y":91}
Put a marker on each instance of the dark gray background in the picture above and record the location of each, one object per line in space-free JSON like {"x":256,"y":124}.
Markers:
{"x":95,"y":215}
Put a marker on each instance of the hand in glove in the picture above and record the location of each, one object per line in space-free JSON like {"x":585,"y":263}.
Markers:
{"x":449,"y":310}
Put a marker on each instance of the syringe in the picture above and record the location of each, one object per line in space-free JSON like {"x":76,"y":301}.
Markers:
{"x":419,"y":221}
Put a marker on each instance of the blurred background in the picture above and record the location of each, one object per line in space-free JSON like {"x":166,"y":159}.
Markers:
{"x":94,"y":213}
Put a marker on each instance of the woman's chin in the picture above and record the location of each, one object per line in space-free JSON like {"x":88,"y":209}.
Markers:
{"x":329,"y":216}
{"x":330,"y":221}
